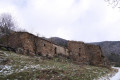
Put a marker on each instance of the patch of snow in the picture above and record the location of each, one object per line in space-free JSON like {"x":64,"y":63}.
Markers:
{"x":6,"y":67}
{"x":5,"y":53}
{"x":6,"y":70}
{"x":117,"y":75}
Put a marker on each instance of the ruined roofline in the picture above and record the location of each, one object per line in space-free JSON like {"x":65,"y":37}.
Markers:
{"x":55,"y":43}
{"x":76,"y":41}
{"x":89,"y":44}
{"x":40,"y":38}
{"x":86,"y":44}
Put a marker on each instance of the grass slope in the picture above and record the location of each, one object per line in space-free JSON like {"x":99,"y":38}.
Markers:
{"x":23,"y":67}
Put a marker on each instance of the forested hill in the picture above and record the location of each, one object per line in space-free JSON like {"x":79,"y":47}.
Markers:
{"x":59,"y":41}
{"x":109,"y":47}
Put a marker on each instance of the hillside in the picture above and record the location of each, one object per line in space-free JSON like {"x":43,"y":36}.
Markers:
{"x":22,"y":67}
{"x":49,"y":60}
{"x":79,"y":52}
{"x":111,"y":49}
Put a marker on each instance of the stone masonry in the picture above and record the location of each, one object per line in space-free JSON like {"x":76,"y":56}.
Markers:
{"x":87,"y":53}
{"x":26,"y":43}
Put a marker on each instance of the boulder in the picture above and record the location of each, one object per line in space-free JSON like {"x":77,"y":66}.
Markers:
{"x":20,"y":51}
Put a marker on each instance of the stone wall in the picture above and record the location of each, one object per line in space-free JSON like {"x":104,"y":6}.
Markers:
{"x":77,"y":51}
{"x":32,"y":45}
{"x":59,"y":50}
{"x":21,"y":41}
{"x":45,"y":48}
{"x":95,"y":56}
{"x":87,"y":53}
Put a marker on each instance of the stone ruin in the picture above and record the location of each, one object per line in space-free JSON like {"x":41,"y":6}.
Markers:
{"x":87,"y":54}
{"x":79,"y":52}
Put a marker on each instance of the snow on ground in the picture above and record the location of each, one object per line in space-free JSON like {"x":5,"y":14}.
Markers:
{"x":113,"y":76}
{"x":117,"y":75}
{"x":6,"y":70}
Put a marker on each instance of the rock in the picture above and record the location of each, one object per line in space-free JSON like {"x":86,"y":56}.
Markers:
{"x":20,"y":51}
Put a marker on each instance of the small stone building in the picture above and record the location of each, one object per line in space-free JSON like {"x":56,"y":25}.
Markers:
{"x":86,"y":53}
{"x":77,"y":51}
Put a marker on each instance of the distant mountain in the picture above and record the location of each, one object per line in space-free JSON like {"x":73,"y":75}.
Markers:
{"x":59,"y":41}
{"x":111,"y":49}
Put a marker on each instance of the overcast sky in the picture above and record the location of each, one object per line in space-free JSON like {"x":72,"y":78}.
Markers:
{"x":81,"y":20}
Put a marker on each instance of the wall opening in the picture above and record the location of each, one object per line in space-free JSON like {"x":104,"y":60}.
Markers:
{"x":55,"y":50}
{"x":79,"y":49}
{"x":79,"y":54}
{"x":44,"y":45}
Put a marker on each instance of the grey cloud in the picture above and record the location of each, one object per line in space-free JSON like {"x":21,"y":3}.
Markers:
{"x":80,"y":20}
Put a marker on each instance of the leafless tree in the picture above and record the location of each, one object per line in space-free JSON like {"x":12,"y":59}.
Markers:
{"x":7,"y":25}
{"x":114,"y":3}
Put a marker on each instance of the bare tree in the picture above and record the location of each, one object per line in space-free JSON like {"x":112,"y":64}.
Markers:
{"x":7,"y":25}
{"x":114,"y":3}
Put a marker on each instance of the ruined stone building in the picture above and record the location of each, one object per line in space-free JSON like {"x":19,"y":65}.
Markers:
{"x":26,"y":43}
{"x":33,"y":45}
{"x":86,"y":53}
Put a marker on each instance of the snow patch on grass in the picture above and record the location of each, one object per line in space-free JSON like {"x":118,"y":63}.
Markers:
{"x":6,"y":70}
{"x":117,"y":75}
{"x":114,"y":75}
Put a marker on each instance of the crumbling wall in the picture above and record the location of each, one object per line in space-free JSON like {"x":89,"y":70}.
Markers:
{"x":13,"y":41}
{"x":77,"y":51}
{"x":87,"y":54}
{"x":33,"y":45}
{"x":58,"y":50}
{"x":21,"y":41}
{"x":27,"y":42}
{"x":95,"y":56}
{"x":45,"y":48}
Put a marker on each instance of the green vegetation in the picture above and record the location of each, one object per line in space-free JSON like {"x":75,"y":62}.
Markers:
{"x":23,"y":67}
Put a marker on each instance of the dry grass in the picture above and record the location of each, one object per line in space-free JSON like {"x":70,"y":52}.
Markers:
{"x":23,"y":67}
